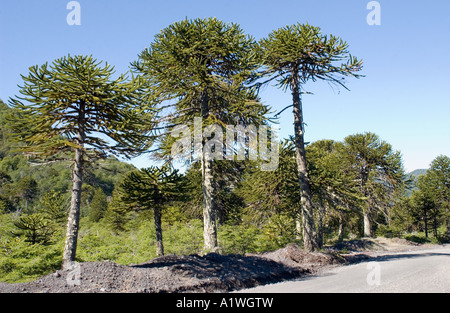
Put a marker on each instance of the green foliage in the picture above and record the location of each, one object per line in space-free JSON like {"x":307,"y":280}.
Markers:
{"x":430,"y":205}
{"x":72,"y":96}
{"x":379,"y":174}
{"x":98,"y":205}
{"x":238,"y":239}
{"x":304,"y":50}
{"x":22,"y":261}
{"x":184,"y":238}
{"x":116,"y":214}
{"x":150,"y":187}
{"x":268,"y":193}
{"x":204,"y":68}
{"x":34,"y":227}
{"x":193,"y":68}
{"x":43,"y":223}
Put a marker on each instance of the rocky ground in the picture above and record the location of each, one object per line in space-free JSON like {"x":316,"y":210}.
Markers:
{"x":209,"y":273}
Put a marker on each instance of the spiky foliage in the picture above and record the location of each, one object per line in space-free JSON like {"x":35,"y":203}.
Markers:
{"x":78,"y":95}
{"x":302,"y":52}
{"x":202,"y":68}
{"x":333,"y":185}
{"x":34,"y":227}
{"x":294,"y":55}
{"x":71,"y":106}
{"x":432,"y":199}
{"x":152,"y":188}
{"x":379,"y":173}
{"x":270,"y":193}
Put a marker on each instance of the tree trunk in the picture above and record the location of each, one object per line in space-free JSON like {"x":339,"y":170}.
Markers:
{"x":367,"y":223}
{"x":209,"y":208}
{"x":320,"y":229}
{"x":309,"y":235}
{"x":298,"y":225}
{"x":448,"y":228}
{"x":70,"y":246}
{"x":435,"y":225}
{"x":322,"y":211}
{"x":73,"y":222}
{"x":447,"y":221}
{"x":425,"y":221}
{"x":341,"y":227}
{"x":158,"y":228}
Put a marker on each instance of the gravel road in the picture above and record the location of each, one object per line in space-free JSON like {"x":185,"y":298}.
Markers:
{"x":423,"y":271}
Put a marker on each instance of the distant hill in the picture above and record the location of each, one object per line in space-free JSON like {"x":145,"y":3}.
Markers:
{"x":417,"y":173}
{"x":413,"y":176}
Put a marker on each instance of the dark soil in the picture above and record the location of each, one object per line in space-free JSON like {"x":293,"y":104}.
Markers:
{"x":192,"y":273}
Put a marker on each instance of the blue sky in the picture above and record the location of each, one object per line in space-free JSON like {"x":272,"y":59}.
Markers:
{"x":404,"y":98}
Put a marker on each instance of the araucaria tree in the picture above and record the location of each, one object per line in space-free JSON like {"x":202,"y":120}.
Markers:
{"x":379,"y":173}
{"x":152,"y":188}
{"x":200,"y":70}
{"x":439,"y":174}
{"x":432,"y":198}
{"x":295,"y":55}
{"x":75,"y":110}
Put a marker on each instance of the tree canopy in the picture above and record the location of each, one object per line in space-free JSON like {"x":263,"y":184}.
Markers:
{"x":65,"y":107}
{"x":200,"y":70}
{"x":294,"y":55}
{"x":60,"y":137}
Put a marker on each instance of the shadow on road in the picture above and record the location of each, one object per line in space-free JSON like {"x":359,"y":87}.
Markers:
{"x":390,"y":257}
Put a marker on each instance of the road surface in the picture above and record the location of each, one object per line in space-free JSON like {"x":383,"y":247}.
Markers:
{"x":413,"y":271}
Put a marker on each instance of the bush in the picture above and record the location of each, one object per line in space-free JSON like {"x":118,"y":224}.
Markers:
{"x":182,"y":239}
{"x":20,"y":261}
{"x":387,"y":232}
{"x":238,"y":239}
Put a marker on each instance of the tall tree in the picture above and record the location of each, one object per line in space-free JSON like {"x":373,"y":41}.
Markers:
{"x":433,"y":195}
{"x":440,"y":177}
{"x":423,"y":203}
{"x":379,"y":171}
{"x":333,"y":186}
{"x":295,"y":55}
{"x":201,"y":69}
{"x":75,"y":108}
{"x":152,"y":188}
{"x":270,"y":193}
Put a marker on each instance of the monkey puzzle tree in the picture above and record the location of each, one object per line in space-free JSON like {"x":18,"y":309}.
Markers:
{"x":199,"y":70}
{"x":379,"y":172}
{"x":433,"y":194}
{"x":272,"y":197}
{"x":295,"y":55}
{"x":333,"y":186}
{"x":440,"y":177}
{"x":152,"y":188}
{"x":74,"y":109}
